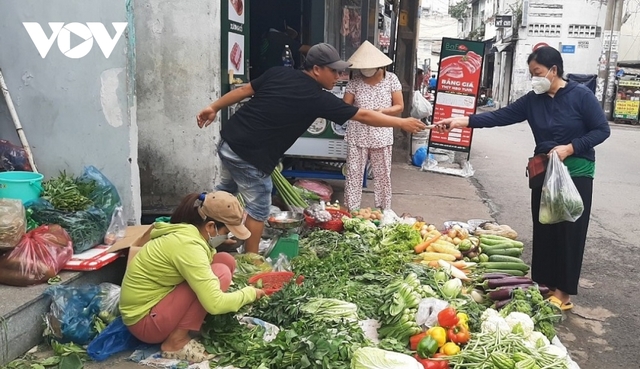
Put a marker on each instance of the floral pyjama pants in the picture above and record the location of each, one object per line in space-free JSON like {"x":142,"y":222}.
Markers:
{"x":380,"y":159}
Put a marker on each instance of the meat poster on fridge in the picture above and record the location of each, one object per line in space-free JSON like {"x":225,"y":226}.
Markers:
{"x":457,"y":90}
{"x":236,"y":11}
{"x":236,"y":53}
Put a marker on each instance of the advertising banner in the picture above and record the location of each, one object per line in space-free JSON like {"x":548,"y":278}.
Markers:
{"x":234,"y":48}
{"x":457,"y":91}
{"x":627,"y":101}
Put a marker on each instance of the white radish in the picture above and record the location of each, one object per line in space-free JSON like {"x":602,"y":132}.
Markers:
{"x":455,"y":272}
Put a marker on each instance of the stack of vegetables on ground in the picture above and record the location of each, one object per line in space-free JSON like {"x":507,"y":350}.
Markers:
{"x":426,"y":312}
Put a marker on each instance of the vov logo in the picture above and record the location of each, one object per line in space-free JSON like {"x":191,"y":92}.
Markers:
{"x":62,"y":33}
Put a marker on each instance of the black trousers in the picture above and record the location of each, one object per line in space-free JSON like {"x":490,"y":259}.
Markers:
{"x":558,"y":248}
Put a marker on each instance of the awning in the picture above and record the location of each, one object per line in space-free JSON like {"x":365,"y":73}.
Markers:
{"x":501,"y":46}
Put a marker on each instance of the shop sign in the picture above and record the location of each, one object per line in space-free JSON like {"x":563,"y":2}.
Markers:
{"x":627,"y":109}
{"x":457,"y":90}
{"x":504,"y":21}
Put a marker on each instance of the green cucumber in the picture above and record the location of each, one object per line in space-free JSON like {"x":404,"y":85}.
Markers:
{"x":513,"y":272}
{"x":507,"y":245}
{"x":505,"y":265}
{"x":492,"y":241}
{"x":508,"y":252}
{"x":505,"y":258}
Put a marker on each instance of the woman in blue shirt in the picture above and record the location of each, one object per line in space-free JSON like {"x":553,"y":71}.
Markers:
{"x":564,"y":117}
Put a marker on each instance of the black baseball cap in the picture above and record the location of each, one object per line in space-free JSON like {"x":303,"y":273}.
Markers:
{"x":325,"y":55}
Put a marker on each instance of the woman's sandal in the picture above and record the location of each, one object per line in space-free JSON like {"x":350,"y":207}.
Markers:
{"x":193,"y":352}
{"x":557,"y":302}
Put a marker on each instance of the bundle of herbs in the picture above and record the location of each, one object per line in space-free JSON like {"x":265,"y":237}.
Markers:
{"x":66,"y":194}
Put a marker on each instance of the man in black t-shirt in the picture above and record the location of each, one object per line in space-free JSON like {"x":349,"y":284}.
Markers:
{"x":285,"y":103}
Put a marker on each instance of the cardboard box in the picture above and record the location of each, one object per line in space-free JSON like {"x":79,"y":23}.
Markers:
{"x":135,"y":237}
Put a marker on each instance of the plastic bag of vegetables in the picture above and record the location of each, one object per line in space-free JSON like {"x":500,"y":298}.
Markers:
{"x":104,"y":194}
{"x":560,"y":200}
{"x":39,"y":255}
{"x":375,"y":358}
{"x":86,"y":228}
{"x":73,"y":312}
{"x":12,"y":223}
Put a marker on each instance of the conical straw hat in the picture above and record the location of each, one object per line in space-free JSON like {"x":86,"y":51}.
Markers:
{"x":368,"y":56}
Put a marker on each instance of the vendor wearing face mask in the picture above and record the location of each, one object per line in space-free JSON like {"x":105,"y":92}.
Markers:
{"x":564,"y":117}
{"x":371,"y":87}
{"x":177,"y":277}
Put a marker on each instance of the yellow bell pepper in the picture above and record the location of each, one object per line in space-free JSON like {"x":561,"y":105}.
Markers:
{"x":439,"y":334}
{"x":463,"y":320}
{"x":450,"y":349}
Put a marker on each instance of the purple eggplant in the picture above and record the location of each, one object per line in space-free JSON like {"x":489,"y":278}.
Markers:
{"x":495,"y":275}
{"x":504,"y":293}
{"x":500,"y":304}
{"x":506,"y":281}
{"x":543,"y":290}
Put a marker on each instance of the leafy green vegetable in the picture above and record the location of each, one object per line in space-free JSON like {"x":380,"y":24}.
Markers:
{"x":64,"y":194}
{"x":544,"y":314}
{"x":305,"y":344}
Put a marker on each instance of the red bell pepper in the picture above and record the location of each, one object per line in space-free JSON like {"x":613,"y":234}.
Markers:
{"x":447,"y":318}
{"x":415,"y":339}
{"x":459,"y":334}
{"x":432,"y":364}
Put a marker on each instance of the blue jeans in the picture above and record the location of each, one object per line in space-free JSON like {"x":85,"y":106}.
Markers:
{"x":238,"y":176}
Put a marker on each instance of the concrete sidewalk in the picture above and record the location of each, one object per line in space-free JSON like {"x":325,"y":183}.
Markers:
{"x":434,"y":196}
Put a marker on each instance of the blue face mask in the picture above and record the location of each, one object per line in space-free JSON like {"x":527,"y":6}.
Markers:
{"x":216,"y":241}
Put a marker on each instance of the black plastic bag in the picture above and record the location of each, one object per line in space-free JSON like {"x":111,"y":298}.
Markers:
{"x":13,"y":157}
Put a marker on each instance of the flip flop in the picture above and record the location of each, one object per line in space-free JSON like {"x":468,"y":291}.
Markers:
{"x":557,"y":302}
{"x":193,"y":352}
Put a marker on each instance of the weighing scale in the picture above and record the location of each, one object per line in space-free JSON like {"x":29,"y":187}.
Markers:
{"x":286,"y":224}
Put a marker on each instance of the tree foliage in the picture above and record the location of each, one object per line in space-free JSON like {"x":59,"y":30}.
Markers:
{"x":459,"y":10}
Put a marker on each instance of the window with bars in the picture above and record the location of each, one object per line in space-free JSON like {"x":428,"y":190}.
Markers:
{"x":544,"y":30}
{"x":583,"y":31}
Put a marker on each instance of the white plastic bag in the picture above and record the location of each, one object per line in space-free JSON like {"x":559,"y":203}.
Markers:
{"x":560,"y":200}
{"x":420,"y":108}
{"x":428,"y":309}
{"x":117,"y":229}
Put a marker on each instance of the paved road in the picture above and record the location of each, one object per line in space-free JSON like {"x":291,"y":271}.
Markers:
{"x":602,"y":331}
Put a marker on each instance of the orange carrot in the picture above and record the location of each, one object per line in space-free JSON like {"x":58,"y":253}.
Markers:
{"x":419,"y":248}
{"x":460,"y":264}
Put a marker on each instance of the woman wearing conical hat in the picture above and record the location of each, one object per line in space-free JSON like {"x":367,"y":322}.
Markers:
{"x":371,"y":87}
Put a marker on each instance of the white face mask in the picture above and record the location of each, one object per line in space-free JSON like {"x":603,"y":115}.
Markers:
{"x":216,"y":240}
{"x":541,"y":85}
{"x":369,"y":72}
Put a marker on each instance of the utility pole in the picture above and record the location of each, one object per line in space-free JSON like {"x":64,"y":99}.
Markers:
{"x":609,"y":56}
{"x":405,"y":67}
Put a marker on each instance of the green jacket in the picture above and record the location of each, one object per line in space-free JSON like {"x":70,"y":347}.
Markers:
{"x":175,"y":253}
